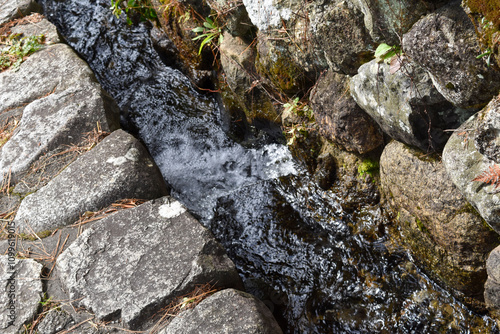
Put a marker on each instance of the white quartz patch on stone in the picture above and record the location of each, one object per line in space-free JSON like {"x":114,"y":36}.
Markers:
{"x":171,"y":210}
{"x":117,"y":161}
{"x":264,"y":14}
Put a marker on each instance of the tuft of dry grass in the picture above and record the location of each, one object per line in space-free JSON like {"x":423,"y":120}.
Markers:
{"x":90,"y":216}
{"x":7,"y":129}
{"x":39,"y":174}
{"x":182,"y":303}
{"x":5,"y":28}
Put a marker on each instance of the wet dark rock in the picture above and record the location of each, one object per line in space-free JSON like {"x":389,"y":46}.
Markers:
{"x":441,"y":228}
{"x":237,"y":58}
{"x":227,"y":311}
{"x":406,"y":104}
{"x":356,"y":177}
{"x":464,"y":162}
{"x":13,"y":9}
{"x":54,"y":322}
{"x":119,"y":167}
{"x":131,"y":264}
{"x":22,"y":279}
{"x":340,"y":119}
{"x":445,"y":44}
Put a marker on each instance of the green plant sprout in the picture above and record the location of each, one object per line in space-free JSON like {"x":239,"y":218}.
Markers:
{"x":301,"y":109}
{"x":487,"y":54}
{"x":143,"y":7}
{"x":19,"y":50}
{"x":210,"y":31}
{"x":385,"y":52}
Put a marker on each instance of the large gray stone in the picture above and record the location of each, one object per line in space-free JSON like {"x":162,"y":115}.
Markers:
{"x":464,"y":162}
{"x":40,"y":75}
{"x":388,"y":20}
{"x":492,"y":286}
{"x":446,"y":45}
{"x":406,"y":104}
{"x":441,"y":228}
{"x":227,"y":311}
{"x":131,"y":264}
{"x":44,"y":27}
{"x":340,"y":119}
{"x":62,"y":118}
{"x":118,"y":167}
{"x":12,"y":9}
{"x":20,"y":293}
{"x":54,"y":322}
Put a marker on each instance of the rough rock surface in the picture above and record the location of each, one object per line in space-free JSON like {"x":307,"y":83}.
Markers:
{"x":12,"y":9}
{"x":40,"y":76}
{"x":130,"y":264}
{"x":54,"y":322}
{"x":237,"y":60}
{"x":227,"y":311}
{"x":340,"y":119}
{"x":492,"y":286}
{"x":62,"y":118}
{"x":406,"y":104}
{"x":464,"y":162}
{"x":440,"y":226}
{"x":237,"y":22}
{"x":388,"y":20}
{"x":23,"y":284}
{"x":44,"y":27}
{"x":340,"y":36}
{"x":118,"y":167}
{"x":446,"y":45}
{"x":61,"y":102}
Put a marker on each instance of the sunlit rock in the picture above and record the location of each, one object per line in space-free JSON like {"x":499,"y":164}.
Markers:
{"x":130,"y":265}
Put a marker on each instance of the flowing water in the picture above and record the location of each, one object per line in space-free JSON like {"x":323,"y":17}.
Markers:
{"x":319,"y":268}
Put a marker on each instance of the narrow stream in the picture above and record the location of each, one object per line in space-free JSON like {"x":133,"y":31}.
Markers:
{"x":320,"y":269}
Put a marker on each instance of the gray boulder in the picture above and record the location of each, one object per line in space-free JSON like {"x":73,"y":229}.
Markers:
{"x":339,"y":35}
{"x":492,"y":286}
{"x":44,"y":27}
{"x":20,"y":294}
{"x":40,"y":76}
{"x":227,"y":311}
{"x":440,"y":227}
{"x":54,"y":322}
{"x":131,"y":264}
{"x":118,"y":167}
{"x":62,"y":118}
{"x":446,"y":45}
{"x":406,"y":104}
{"x":464,"y":162}
{"x":61,"y":102}
{"x":12,"y":9}
{"x":340,"y":119}
{"x":237,"y":21}
{"x":388,"y":20}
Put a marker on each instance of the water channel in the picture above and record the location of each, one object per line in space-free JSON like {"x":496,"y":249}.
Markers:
{"x":318,"y":268}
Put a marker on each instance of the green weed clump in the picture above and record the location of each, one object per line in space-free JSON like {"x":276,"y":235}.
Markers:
{"x":143,"y":8}
{"x":19,"y":49}
{"x":209,"y":32}
{"x":369,"y":167}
